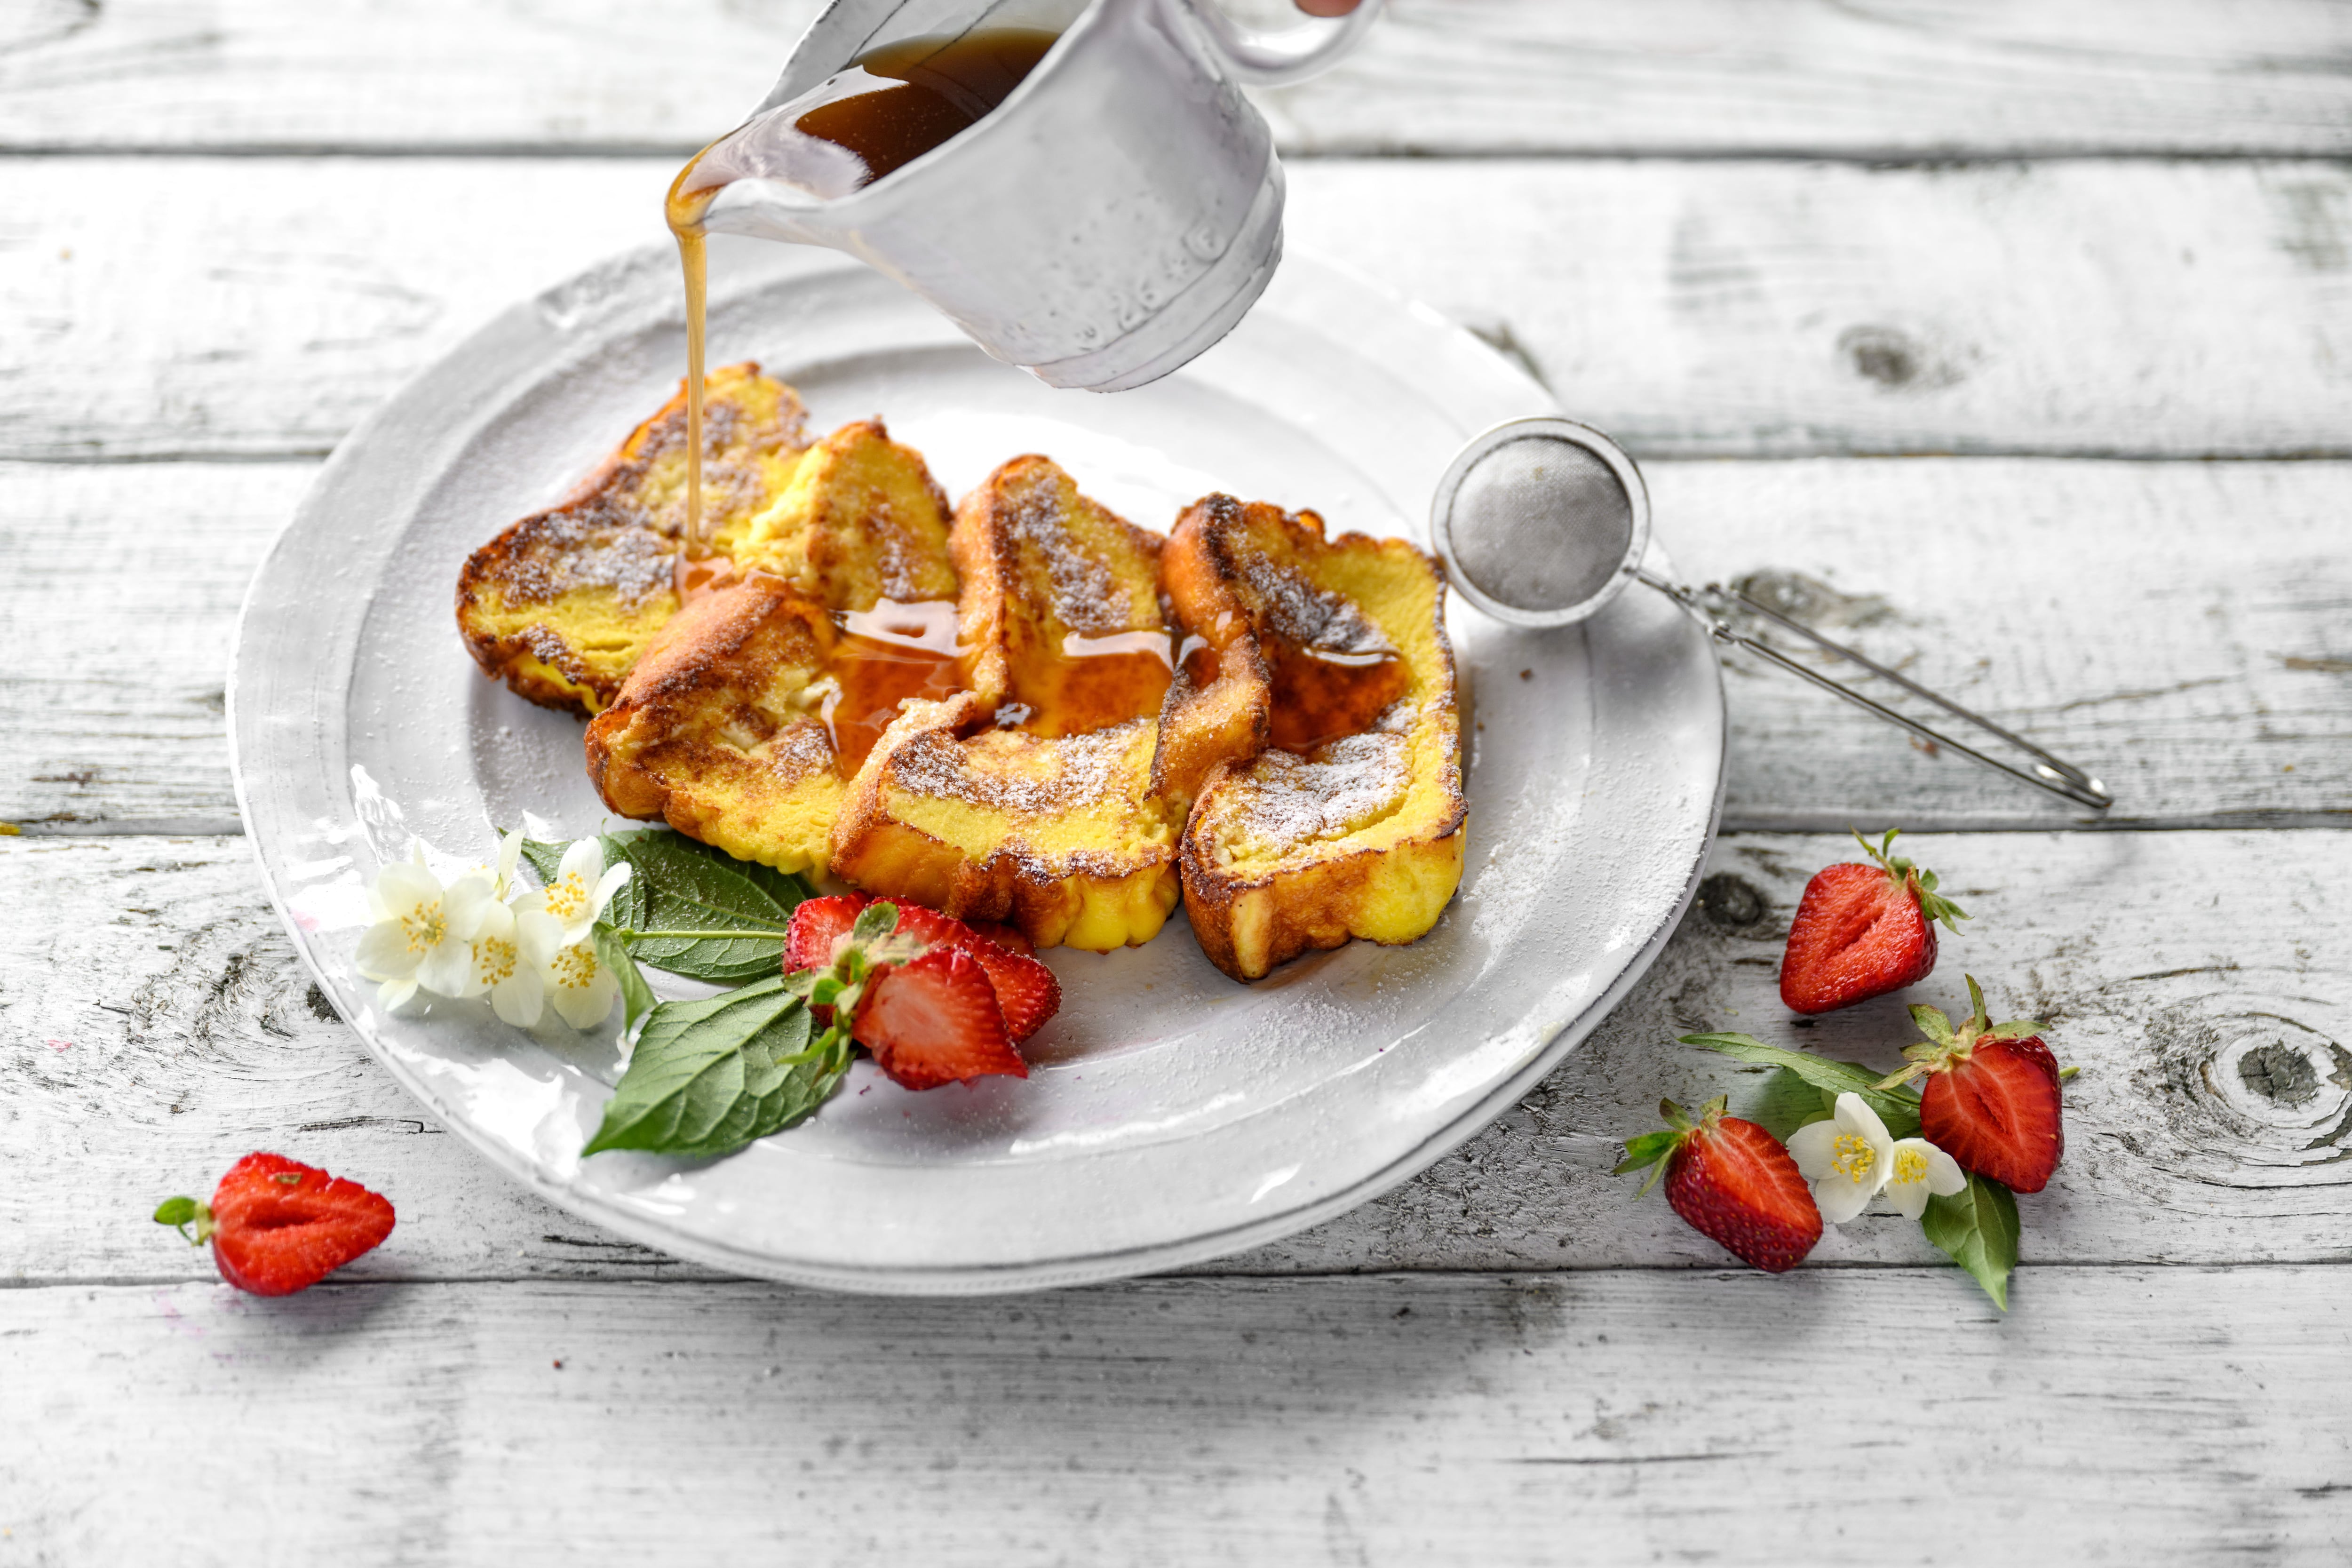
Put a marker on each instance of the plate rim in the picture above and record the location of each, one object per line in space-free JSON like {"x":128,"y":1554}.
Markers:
{"x":966,"y":1278}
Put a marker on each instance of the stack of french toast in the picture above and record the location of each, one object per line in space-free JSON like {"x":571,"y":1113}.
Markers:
{"x":1026,"y":711}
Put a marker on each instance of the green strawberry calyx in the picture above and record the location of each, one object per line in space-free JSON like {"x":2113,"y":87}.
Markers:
{"x":1945,"y":1046}
{"x":1913,"y":878}
{"x":1653,"y":1149}
{"x":181,"y":1213}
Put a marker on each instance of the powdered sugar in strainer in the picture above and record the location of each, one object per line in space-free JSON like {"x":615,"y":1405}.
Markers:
{"x":1542,"y":520}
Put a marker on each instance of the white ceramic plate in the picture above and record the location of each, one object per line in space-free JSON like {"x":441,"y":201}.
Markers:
{"x":1171,"y":1115}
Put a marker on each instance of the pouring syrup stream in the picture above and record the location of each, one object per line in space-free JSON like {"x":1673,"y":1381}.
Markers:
{"x":885,"y":109}
{"x":684,"y":209}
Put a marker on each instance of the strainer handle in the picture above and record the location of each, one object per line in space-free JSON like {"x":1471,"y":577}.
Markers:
{"x":2049,"y":772}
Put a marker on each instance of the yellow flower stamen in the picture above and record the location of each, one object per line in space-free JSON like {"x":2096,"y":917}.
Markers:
{"x":1910,"y":1166}
{"x":494,"y":960}
{"x":425,"y":927}
{"x":568,"y":900}
{"x":575,"y":967}
{"x":1853,"y":1157}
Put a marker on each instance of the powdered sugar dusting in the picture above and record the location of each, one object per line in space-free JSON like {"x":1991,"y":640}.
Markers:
{"x":799,"y":751}
{"x":1087,"y":597}
{"x":623,"y":538}
{"x":1308,"y":615}
{"x":1081,"y":769}
{"x":579,"y":548}
{"x":1289,"y":801}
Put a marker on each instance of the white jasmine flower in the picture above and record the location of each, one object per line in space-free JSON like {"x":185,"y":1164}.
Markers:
{"x":582,"y":888}
{"x":507,"y":964}
{"x":577,"y":982}
{"x":1847,"y":1158}
{"x":1916,"y":1169}
{"x":423,"y":932}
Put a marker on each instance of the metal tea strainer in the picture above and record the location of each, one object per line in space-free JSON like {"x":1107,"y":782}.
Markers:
{"x":1541,"y":521}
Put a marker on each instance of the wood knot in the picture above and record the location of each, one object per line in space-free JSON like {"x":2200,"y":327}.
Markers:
{"x":2253,"y":1098}
{"x":2281,"y":1076}
{"x":1731,"y":902}
{"x":1893,"y":360}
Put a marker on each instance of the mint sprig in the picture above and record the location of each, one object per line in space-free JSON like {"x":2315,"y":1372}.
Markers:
{"x":709,"y":1077}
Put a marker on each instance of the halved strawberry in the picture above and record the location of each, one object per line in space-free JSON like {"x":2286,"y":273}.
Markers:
{"x":1733,"y":1181}
{"x":934,"y":1019}
{"x":1025,"y":989}
{"x":1992,"y":1099}
{"x":816,"y":928}
{"x":1007,"y":937}
{"x":278,"y":1227}
{"x":1862,"y":931}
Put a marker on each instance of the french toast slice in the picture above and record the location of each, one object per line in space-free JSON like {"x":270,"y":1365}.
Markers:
{"x":1059,"y":611}
{"x":1028,"y":798}
{"x":748,"y":707}
{"x":719,"y":730}
{"x":1058,"y":837}
{"x":861,"y":520}
{"x":563,"y":604}
{"x":1350,"y":824}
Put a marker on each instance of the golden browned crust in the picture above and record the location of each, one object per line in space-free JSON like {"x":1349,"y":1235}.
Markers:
{"x":1212,"y":719}
{"x":563,"y":604}
{"x":719,"y":729}
{"x":1360,"y":834}
{"x":861,"y":520}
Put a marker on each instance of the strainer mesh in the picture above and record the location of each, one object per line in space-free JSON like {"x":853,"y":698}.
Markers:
{"x":1539,"y":523}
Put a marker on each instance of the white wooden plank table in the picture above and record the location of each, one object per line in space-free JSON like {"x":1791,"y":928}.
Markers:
{"x":2012,"y":340}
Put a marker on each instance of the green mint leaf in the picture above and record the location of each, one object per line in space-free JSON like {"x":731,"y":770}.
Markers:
{"x":1899,"y":1112}
{"x":874,"y":921}
{"x":787,"y":889}
{"x":1784,"y":1103}
{"x":777,"y":1090}
{"x":688,"y":1070}
{"x":798,"y":1076}
{"x":679,"y":888}
{"x":1645,"y":1151}
{"x":637,"y":998}
{"x":177,"y":1211}
{"x":1977,"y":1229}
{"x":682,"y":884}
{"x":709,"y":1077}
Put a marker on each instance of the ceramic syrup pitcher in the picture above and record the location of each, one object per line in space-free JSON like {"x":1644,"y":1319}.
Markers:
{"x":1113,"y":218}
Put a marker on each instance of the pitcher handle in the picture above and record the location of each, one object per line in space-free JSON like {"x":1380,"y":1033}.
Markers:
{"x":1288,"y":55}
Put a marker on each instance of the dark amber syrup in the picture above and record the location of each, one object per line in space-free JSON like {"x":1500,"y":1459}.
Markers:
{"x":1092,"y":683}
{"x":881,"y":657}
{"x":1320,"y":695}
